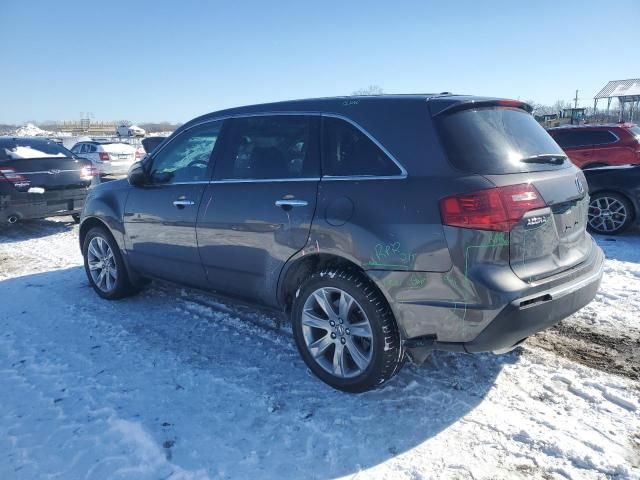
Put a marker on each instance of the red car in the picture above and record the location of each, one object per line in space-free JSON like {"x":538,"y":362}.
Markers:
{"x":590,"y":146}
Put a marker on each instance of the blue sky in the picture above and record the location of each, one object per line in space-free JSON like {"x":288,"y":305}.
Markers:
{"x":153,"y":61}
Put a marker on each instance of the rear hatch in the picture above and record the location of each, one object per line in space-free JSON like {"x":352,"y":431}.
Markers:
{"x":501,"y":141}
{"x":40,"y":165}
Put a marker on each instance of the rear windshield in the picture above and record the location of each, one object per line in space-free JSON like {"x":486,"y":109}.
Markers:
{"x":19,"y":148}
{"x":497,"y":140}
{"x":635,"y":131}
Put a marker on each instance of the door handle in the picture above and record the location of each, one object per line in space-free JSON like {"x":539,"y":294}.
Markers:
{"x":289,"y":204}
{"x":183,"y":203}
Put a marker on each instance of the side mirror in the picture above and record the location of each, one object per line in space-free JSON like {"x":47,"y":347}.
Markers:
{"x":137,"y":176}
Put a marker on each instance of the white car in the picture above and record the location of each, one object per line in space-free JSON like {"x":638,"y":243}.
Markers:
{"x":125,"y":130}
{"x":110,"y":158}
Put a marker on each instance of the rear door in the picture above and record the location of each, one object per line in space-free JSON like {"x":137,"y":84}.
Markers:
{"x":257,"y":212}
{"x":160,"y":217}
{"x":508,"y":147}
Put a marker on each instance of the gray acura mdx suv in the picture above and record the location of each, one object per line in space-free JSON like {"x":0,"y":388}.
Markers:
{"x":383,"y":226}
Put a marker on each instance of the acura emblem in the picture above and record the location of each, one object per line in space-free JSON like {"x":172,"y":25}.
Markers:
{"x":54,"y":171}
{"x":579,"y":186}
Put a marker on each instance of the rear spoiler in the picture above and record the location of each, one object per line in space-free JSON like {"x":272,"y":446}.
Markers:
{"x":465,"y":105}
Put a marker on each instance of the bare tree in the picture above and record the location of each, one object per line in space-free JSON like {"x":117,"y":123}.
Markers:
{"x":370,"y":90}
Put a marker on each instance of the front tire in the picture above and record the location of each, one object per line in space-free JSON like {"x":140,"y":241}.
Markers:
{"x":104,"y":265}
{"x":345,"y":331}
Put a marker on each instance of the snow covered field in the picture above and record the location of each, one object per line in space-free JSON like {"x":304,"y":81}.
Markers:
{"x":177,"y":384}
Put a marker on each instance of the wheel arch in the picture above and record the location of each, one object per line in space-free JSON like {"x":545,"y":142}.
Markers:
{"x":92,"y":222}
{"x":298,"y":269}
{"x":89,"y":223}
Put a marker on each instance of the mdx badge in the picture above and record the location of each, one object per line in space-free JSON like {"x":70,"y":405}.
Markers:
{"x":537,"y":220}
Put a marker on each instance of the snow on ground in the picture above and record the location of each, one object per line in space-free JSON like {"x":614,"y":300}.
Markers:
{"x":174,"y":383}
{"x":620,"y":290}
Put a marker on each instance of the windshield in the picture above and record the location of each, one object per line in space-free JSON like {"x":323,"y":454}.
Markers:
{"x":21,"y":148}
{"x":498,"y":140}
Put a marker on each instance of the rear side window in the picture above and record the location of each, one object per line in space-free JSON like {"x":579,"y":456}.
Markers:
{"x":583,"y":138}
{"x":568,"y":139}
{"x":602,"y":137}
{"x":496,"y":140}
{"x":270,"y":148}
{"x":635,"y":131}
{"x":349,"y":152}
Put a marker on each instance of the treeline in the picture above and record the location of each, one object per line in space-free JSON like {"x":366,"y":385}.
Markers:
{"x":159,"y":126}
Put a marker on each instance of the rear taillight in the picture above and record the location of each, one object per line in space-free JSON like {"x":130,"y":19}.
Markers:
{"x":104,"y":156}
{"x":88,"y":172}
{"x":9,"y":175}
{"x":496,"y":209}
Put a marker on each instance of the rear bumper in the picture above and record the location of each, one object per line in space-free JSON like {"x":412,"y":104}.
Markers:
{"x":490,"y":311}
{"x":528,"y":315}
{"x":39,"y":205}
{"x":112,"y":170}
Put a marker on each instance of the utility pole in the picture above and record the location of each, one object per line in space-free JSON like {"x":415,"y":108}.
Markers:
{"x":576,"y":100}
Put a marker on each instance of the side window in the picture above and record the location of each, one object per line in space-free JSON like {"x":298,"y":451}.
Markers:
{"x":76,"y":148}
{"x":573,"y":138}
{"x":602,"y":137}
{"x":271,"y":147}
{"x":562,"y":139}
{"x":92,"y":148}
{"x":348,"y":151}
{"x":583,"y":138}
{"x":187,"y":157}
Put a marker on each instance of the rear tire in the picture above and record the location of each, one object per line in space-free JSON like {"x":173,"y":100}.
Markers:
{"x":354,"y":338}
{"x":609,"y":213}
{"x":104,"y":265}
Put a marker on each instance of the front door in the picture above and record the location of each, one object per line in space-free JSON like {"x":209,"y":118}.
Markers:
{"x":160,"y":217}
{"x":257,"y":212}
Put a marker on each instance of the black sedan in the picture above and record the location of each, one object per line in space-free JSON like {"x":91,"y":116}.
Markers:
{"x":39,"y":178}
{"x":615,"y":198}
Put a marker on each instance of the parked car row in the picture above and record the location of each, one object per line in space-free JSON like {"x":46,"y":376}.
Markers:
{"x":614,"y":197}
{"x":40,"y":178}
{"x":325,"y":216}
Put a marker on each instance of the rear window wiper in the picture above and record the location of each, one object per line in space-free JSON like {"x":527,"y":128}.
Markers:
{"x":554,"y":158}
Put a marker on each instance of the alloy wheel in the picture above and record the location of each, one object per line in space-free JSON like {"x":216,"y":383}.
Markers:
{"x":102,"y":264}
{"x":607,"y":214}
{"x":337,"y":332}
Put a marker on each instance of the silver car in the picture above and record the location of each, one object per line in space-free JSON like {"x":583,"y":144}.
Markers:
{"x":109,"y":158}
